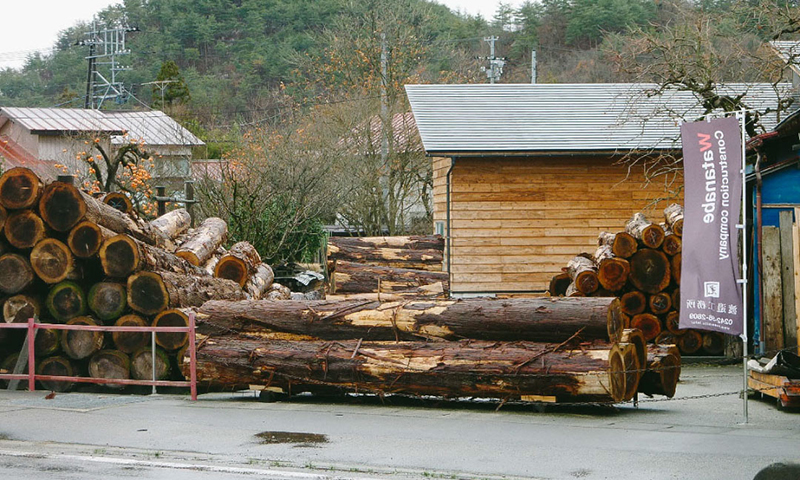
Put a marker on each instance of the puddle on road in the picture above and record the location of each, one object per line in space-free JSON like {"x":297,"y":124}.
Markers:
{"x":302,"y":439}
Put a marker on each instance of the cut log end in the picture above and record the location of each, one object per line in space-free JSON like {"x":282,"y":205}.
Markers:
{"x":56,"y":366}
{"x":713,"y":343}
{"x":107,"y":300}
{"x":110,"y":364}
{"x":147,"y":293}
{"x":613,"y":273}
{"x":16,"y":273}
{"x":19,"y":188}
{"x":232,"y":268}
{"x":85,"y":239}
{"x":24,"y":229}
{"x":650,"y":270}
{"x":690,"y":342}
{"x":62,"y":206}
{"x":79,"y":344}
{"x":118,"y":201}
{"x":660,"y":303}
{"x":19,"y":308}
{"x":633,"y":303}
{"x":648,"y":324}
{"x":142,"y":364}
{"x":66,"y":300}
{"x":119,"y":256}
{"x":130,"y":342}
{"x":189,"y":257}
{"x":558,"y":285}
{"x":51,"y":260}
{"x":171,"y":318}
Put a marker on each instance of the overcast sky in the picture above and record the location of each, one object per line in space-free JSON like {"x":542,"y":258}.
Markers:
{"x":31,"y":25}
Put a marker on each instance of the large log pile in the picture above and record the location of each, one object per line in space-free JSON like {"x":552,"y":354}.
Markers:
{"x":66,"y":257}
{"x":545,"y":349}
{"x":640,"y":266}
{"x":358,"y":265}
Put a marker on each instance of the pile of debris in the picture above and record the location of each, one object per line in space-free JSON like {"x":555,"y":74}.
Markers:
{"x":68,"y":257}
{"x":642,"y":267}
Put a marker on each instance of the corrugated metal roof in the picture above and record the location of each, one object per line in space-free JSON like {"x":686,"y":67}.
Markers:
{"x":154,"y":127}
{"x":789,"y":50}
{"x":61,"y":120}
{"x":507,"y":118}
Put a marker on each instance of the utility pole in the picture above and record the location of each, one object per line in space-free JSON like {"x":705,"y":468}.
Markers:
{"x":533,"y":66}
{"x":495,"y":69}
{"x":105,"y":46}
{"x":384,"y":99}
{"x":161,"y":85}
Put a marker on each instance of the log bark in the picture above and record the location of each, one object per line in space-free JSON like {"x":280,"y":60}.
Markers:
{"x":258,"y":284}
{"x":661,"y":374}
{"x":675,"y":268}
{"x":558,"y":285}
{"x":428,"y":259}
{"x":173,"y":223}
{"x":66,"y":300}
{"x":24,"y":229}
{"x":650,"y":271}
{"x":483,"y":369}
{"x":583,"y":272}
{"x":413,"y":242}
{"x":110,"y":364}
{"x":549,"y":319}
{"x":152,"y":292}
{"x":171,"y":318}
{"x":612,"y":272}
{"x":86,"y":238}
{"x":130,"y":342}
{"x":56,"y":366}
{"x":16,"y":273}
{"x":660,"y":303}
{"x":122,"y":255}
{"x":19,"y":308}
{"x":51,"y":260}
{"x":633,"y":369}
{"x":278,"y":292}
{"x":713,"y":343}
{"x":622,"y":244}
{"x":352,"y":278}
{"x":119,"y":201}
{"x":19,"y":188}
{"x":572,"y":291}
{"x":107,"y":300}
{"x":649,"y":324}
{"x":690,"y":342}
{"x":201,"y":244}
{"x":633,"y":303}
{"x":239,"y":263}
{"x":79,"y":344}
{"x":635,"y":337}
{"x":673,"y":216}
{"x":651,"y":235}
{"x":142,"y":365}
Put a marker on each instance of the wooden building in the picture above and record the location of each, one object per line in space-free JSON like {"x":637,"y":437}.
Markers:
{"x":527,"y":175}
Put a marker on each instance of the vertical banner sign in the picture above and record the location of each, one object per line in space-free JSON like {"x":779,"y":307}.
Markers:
{"x":711,"y":297}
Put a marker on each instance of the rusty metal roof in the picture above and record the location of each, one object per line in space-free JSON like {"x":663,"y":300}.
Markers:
{"x":54,"y":121}
{"x":154,"y":128}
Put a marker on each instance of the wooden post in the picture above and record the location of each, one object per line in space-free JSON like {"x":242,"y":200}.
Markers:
{"x":773,"y":290}
{"x":796,"y":244}
{"x":188,"y":188}
{"x":161,"y":192}
{"x":787,"y":279}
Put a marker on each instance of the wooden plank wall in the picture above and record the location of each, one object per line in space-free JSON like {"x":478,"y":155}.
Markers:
{"x":517,"y":221}
{"x":772,"y":328}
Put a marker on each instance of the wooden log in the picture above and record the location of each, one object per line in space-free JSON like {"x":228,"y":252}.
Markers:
{"x":107,"y":300}
{"x":635,"y":337}
{"x":633,"y":303}
{"x":660,"y":303}
{"x":413,"y":242}
{"x":661,"y":374}
{"x":7,"y":366}
{"x":258,"y":284}
{"x":86,"y":238}
{"x":173,"y":223}
{"x":690,"y":342}
{"x":201,"y":244}
{"x":278,"y":292}
{"x":633,"y":369}
{"x":673,"y":244}
{"x":51,"y":260}
{"x":239,"y":263}
{"x":352,"y":278}
{"x":622,"y":244}
{"x":430,"y":259}
{"x":3,"y":217}
{"x":676,"y":298}
{"x":110,"y":364}
{"x":650,"y":270}
{"x":118,"y":201}
{"x":559,"y":284}
{"x":130,"y":342}
{"x":19,"y":188}
{"x":47,"y":342}
{"x":666,"y":338}
{"x":649,"y":325}
{"x":713,"y":343}
{"x":80,"y":344}
{"x":671,"y":322}
{"x":19,"y":308}
{"x":66,"y":300}
{"x":152,"y":292}
{"x":673,"y":216}
{"x":142,"y":364}
{"x":62,"y":206}
{"x":675,"y":268}
{"x":122,"y":255}
{"x":452,"y":369}
{"x":171,"y":318}
{"x":56,"y":366}
{"x":651,"y":235}
{"x":16,"y":273}
{"x":612,"y":272}
{"x":211,"y":264}
{"x":547,"y":319}
{"x":24,"y":229}
{"x":583,"y":273}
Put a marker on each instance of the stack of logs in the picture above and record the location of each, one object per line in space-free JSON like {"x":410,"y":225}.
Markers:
{"x":406,"y":266}
{"x":642,"y":267}
{"x":67,"y":257}
{"x":542,"y":349}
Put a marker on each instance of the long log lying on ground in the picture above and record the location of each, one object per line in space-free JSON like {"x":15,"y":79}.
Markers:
{"x":352,"y":277}
{"x":413,"y":242}
{"x":539,"y":319}
{"x":122,"y":255}
{"x":152,"y":292}
{"x":428,"y":259}
{"x":451,"y":369}
{"x":204,"y":241}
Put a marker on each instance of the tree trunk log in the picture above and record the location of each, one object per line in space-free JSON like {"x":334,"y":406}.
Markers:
{"x":118,"y":201}
{"x":550,"y":319}
{"x":622,"y":244}
{"x":675,"y":267}
{"x":583,"y":273}
{"x":651,"y":235}
{"x":572,"y":291}
{"x":361,"y":278}
{"x":122,"y":255}
{"x":24,"y":229}
{"x":130,"y":342}
{"x":671,"y":322}
{"x":633,"y":303}
{"x":660,"y":303}
{"x":661,"y":374}
{"x":47,"y":342}
{"x":107,"y":300}
{"x":152,"y":292}
{"x":690,"y":342}
{"x":173,"y":223}
{"x":278,"y":292}
{"x":51,"y":260}
{"x":19,"y":188}
{"x":673,"y":215}
{"x":673,"y":244}
{"x":239,"y":263}
{"x":66,"y":300}
{"x":650,"y":271}
{"x":86,"y":238}
{"x":79,"y":344}
{"x":414,"y":242}
{"x":110,"y":364}
{"x":201,"y":244}
{"x":635,"y":337}
{"x":258,"y":284}
{"x":62,"y":206}
{"x":558,"y":285}
{"x":612,"y":272}
{"x":713,"y":343}
{"x":649,"y":324}
{"x":16,"y":273}
{"x":429,"y":259}
{"x":19,"y":308}
{"x":56,"y":366}
{"x":171,"y":318}
{"x":142,"y":364}
{"x":482,"y":369}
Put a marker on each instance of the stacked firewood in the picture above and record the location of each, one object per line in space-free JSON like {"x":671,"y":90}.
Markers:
{"x":398,"y":265}
{"x":642,"y":267}
{"x":67,"y":257}
{"x":540,"y":349}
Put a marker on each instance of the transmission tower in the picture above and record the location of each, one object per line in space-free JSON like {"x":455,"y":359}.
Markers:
{"x":495,"y":68}
{"x":106,"y":45}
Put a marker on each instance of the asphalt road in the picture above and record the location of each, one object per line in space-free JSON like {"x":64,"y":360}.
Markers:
{"x":699,"y":435}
